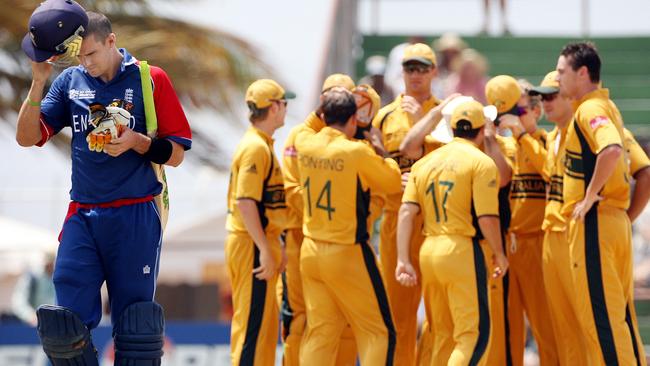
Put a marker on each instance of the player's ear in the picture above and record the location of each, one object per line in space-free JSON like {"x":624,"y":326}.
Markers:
{"x":110,"y":40}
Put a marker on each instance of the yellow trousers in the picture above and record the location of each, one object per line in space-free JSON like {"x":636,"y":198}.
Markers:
{"x":292,"y":305}
{"x":404,"y":301}
{"x":601,"y":257}
{"x":425,"y":343}
{"x":454,"y":277}
{"x":527,"y":295}
{"x":254,"y":327}
{"x":498,"y":352}
{"x":560,"y":296}
{"x":342,"y":285}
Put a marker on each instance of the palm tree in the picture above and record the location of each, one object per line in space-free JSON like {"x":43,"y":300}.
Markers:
{"x":205,"y":65}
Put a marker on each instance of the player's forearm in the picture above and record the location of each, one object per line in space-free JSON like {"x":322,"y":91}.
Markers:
{"x":493,"y":151}
{"x":251,"y":218}
{"x":407,"y":213}
{"x":605,"y":166}
{"x":28,"y":128}
{"x":491,"y":229}
{"x":641,"y":193}
{"x":411,"y":146}
{"x":178,"y":154}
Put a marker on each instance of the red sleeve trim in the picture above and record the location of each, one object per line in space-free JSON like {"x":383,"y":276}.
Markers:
{"x":46,"y":131}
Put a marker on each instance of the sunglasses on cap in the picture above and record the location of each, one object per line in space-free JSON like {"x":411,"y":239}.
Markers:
{"x":515,"y":111}
{"x":549,"y":97}
{"x":419,"y":68}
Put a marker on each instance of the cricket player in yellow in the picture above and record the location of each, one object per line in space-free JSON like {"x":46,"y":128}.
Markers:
{"x":256,"y":218}
{"x":342,"y":283}
{"x":290,"y":291}
{"x":502,"y":152}
{"x":556,"y":266}
{"x":456,"y":188}
{"x":527,"y":203}
{"x":394,"y":121}
{"x":596,"y":195}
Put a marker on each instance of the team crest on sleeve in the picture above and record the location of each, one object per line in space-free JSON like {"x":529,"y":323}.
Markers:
{"x":290,"y":151}
{"x":252,"y":169}
{"x":598,"y":121}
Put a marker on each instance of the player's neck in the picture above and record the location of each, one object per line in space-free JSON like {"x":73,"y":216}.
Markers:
{"x":586,"y":89}
{"x":421,"y":97}
{"x":116,"y":62}
{"x":266,"y":126}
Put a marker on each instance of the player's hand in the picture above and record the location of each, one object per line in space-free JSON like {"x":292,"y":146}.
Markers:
{"x":126,"y":141}
{"x":582,"y":207}
{"x":490,"y":129}
{"x":405,"y":179}
{"x":283,"y":261}
{"x":501,"y":265}
{"x":411,"y":106}
{"x":374,"y":137}
{"x":513,"y":123}
{"x":41,"y":71}
{"x":405,"y":274}
{"x":267,"y":267}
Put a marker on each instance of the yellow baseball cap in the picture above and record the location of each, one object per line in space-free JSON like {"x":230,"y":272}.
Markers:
{"x":264,"y":92}
{"x":549,"y":85}
{"x":471,"y":111}
{"x":502,"y":92}
{"x":338,"y":80}
{"x":419,"y":52}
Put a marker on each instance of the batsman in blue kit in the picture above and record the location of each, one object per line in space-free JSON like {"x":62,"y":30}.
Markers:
{"x":113,"y":229}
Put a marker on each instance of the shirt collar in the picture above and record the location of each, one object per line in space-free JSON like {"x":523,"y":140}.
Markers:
{"x":464,"y":141}
{"x":314,"y":122}
{"x":268,"y":139}
{"x":602,"y":93}
{"x":333,"y":132}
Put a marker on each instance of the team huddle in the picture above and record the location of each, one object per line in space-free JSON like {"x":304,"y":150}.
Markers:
{"x":496,"y":223}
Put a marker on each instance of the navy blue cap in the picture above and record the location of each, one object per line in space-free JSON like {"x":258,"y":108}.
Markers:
{"x":50,"y":25}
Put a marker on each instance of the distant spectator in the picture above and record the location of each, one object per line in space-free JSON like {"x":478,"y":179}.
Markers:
{"x":375,"y":69}
{"x":393,"y":74}
{"x":32,"y":290}
{"x":448,"y":48}
{"x":470,"y":75}
{"x":486,"y":17}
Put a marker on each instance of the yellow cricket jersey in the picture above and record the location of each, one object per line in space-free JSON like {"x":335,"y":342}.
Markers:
{"x":255,"y":174}
{"x":310,"y":126}
{"x":597,"y":124}
{"x":394,"y":123}
{"x":554,"y":174}
{"x":337,"y":176}
{"x":528,"y":188}
{"x":638,"y":159}
{"x":454,"y":185}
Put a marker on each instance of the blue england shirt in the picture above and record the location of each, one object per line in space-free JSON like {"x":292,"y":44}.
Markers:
{"x":96,"y":176}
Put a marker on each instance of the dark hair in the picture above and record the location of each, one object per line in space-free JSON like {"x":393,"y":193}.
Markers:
{"x":98,"y":25}
{"x":337,"y":107}
{"x":257,"y":114}
{"x":464,"y":130}
{"x":585,"y":54}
